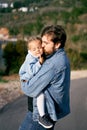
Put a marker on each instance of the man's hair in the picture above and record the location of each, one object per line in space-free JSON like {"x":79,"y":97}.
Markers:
{"x":57,"y":34}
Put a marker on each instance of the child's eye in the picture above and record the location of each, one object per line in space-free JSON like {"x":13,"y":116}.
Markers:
{"x":39,"y":47}
{"x":33,"y":49}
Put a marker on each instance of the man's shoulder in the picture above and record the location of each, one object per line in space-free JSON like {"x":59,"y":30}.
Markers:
{"x":58,"y":59}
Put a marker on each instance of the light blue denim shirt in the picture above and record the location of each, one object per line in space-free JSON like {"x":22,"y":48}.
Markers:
{"x":54,"y":79}
{"x":30,"y":67}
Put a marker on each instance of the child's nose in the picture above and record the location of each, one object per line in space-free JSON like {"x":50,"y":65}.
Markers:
{"x":38,"y":49}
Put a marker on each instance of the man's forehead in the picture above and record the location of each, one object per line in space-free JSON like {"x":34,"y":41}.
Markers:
{"x":46,"y":38}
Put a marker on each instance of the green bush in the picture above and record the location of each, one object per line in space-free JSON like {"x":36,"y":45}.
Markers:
{"x":84,"y":36}
{"x":28,"y":29}
{"x":77,"y":60}
{"x":84,"y":3}
{"x":14,"y":54}
{"x":14,"y":31}
{"x":33,"y":28}
{"x":65,"y":16}
{"x":38,"y":25}
{"x":75,"y":38}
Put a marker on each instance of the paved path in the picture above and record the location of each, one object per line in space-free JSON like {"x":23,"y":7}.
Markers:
{"x":12,"y":114}
{"x":77,"y":120}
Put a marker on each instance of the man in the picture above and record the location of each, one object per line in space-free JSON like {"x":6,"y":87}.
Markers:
{"x":54,"y":76}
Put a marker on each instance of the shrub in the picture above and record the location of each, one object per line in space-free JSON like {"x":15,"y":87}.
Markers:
{"x":75,"y":38}
{"x":14,"y":31}
{"x":78,"y":60}
{"x":75,"y":13}
{"x":38,"y":25}
{"x":14,"y":54}
{"x":28,"y":29}
{"x":65,"y":16}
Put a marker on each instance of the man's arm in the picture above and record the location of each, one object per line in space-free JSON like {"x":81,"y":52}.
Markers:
{"x":40,"y":81}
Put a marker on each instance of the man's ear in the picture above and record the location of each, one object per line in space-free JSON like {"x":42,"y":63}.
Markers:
{"x":57,"y":45}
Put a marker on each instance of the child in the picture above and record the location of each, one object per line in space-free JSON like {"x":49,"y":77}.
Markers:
{"x":29,"y":68}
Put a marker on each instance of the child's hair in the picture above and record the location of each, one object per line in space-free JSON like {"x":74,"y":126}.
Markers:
{"x":33,"y":38}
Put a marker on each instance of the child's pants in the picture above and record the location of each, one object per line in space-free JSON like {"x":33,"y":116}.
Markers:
{"x":41,"y":104}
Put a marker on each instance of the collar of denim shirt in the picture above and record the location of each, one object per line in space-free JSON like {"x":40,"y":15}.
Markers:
{"x":57,"y":51}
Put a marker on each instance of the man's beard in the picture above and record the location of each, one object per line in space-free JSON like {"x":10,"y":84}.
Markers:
{"x":44,"y":51}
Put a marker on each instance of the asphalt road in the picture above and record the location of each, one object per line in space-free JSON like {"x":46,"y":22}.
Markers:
{"x":12,"y":114}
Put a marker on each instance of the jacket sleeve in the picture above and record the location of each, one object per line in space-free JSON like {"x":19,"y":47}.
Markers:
{"x":29,"y":69}
{"x":40,"y":81}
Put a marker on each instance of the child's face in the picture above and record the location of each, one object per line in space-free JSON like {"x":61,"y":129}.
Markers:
{"x":35,"y":48}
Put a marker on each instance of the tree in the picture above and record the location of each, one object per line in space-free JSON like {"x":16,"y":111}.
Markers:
{"x":17,"y":4}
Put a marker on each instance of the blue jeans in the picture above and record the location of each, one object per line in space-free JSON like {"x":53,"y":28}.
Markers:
{"x":29,"y":124}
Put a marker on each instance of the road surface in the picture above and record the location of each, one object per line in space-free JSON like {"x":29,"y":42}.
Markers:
{"x":12,"y":114}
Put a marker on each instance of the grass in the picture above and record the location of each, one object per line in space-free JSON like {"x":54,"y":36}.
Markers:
{"x":1,"y":77}
{"x":3,"y":80}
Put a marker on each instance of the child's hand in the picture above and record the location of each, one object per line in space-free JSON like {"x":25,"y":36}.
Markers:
{"x":41,"y":59}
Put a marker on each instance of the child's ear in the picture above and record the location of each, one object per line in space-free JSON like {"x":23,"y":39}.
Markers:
{"x":57,"y":45}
